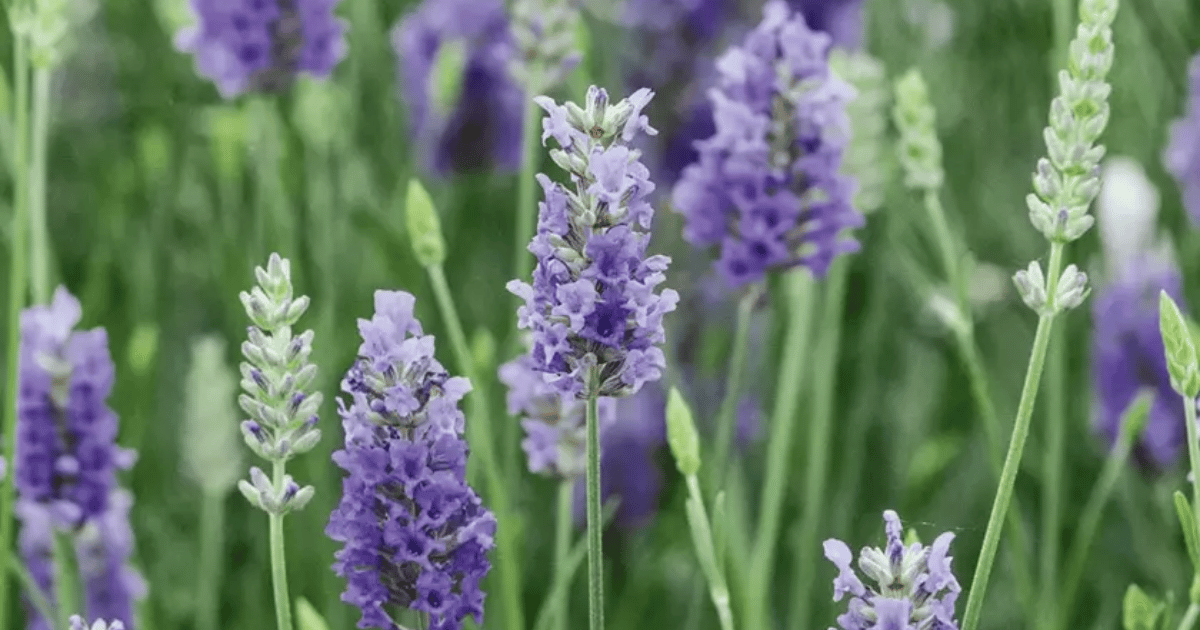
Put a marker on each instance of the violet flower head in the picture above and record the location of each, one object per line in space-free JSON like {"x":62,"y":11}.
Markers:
{"x":1182,"y":155}
{"x":1128,"y":355}
{"x":464,"y":106}
{"x":77,"y":623}
{"x":261,"y":45}
{"x":841,"y":19}
{"x":66,"y":432}
{"x":555,"y":425}
{"x":913,"y":586}
{"x":415,"y":534}
{"x":596,"y":320}
{"x":767,"y":191}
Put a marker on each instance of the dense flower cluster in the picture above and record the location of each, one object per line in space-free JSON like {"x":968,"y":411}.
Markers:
{"x":77,"y":623}
{"x":592,"y":302}
{"x":555,"y":429}
{"x":841,"y":19}
{"x":261,"y":45}
{"x":915,"y":587}
{"x":1182,"y":156}
{"x":67,"y":455}
{"x":479,"y":124}
{"x":767,"y":189}
{"x":415,"y":534}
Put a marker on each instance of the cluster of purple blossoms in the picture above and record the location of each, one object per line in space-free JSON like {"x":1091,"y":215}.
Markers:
{"x":767,"y":189}
{"x":66,"y":433}
{"x":261,"y":45}
{"x":482,"y":127}
{"x":415,"y":534}
{"x":1182,"y":156}
{"x":592,"y":305}
{"x":555,"y":428}
{"x":841,"y":19}
{"x":1128,"y":356}
{"x":915,"y":587}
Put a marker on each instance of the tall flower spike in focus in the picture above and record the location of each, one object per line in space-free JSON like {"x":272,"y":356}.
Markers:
{"x":592,"y":301}
{"x":1182,"y":155}
{"x":464,"y":108}
{"x":212,"y":456}
{"x":768,"y":192}
{"x":554,"y":424}
{"x":913,"y":586}
{"x":415,"y":534}
{"x":261,"y":45}
{"x":275,"y":375}
{"x":1127,"y":346}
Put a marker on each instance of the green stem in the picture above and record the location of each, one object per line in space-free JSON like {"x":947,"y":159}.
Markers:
{"x":1012,"y":461}
{"x":1189,"y":617}
{"x":479,"y":437}
{"x":820,"y":427}
{"x":38,"y":236}
{"x":1085,"y":533}
{"x":66,"y":578}
{"x":595,"y":532}
{"x":36,"y":595}
{"x":702,"y":537}
{"x":212,"y":524}
{"x":727,"y":415}
{"x":564,"y":526}
{"x":526,"y":204}
{"x":283,"y":607}
{"x":1189,"y":410}
{"x":798,"y":289}
{"x":1050,"y":602}
{"x":561,"y":586}
{"x":964,"y":336}
{"x":17,"y":279}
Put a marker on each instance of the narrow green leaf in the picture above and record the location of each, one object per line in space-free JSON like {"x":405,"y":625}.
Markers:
{"x":718,"y":526}
{"x":1188,"y":522}
{"x":307,"y":617}
{"x":1140,"y":611}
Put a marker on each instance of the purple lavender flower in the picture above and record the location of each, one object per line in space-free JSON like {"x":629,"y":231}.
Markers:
{"x":261,"y":45}
{"x":1128,"y":355}
{"x":915,"y":587}
{"x":593,"y":300}
{"x":841,"y":19}
{"x":415,"y":534}
{"x":767,"y":191}
{"x":65,"y":430}
{"x":482,"y":127}
{"x":1182,"y":156}
{"x":555,"y":430}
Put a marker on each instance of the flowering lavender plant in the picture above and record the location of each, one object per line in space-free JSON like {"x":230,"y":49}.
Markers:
{"x":767,"y":190}
{"x":261,"y":45}
{"x":415,"y":534}
{"x":1182,"y":155}
{"x":914,"y":586}
{"x":592,"y":302}
{"x":77,"y":623}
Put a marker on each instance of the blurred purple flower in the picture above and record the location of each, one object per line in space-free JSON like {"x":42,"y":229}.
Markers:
{"x":482,"y":128}
{"x":416,"y":535}
{"x":841,"y":19}
{"x":261,"y":45}
{"x":555,"y":429}
{"x":1182,"y":155}
{"x":65,"y":430}
{"x":1128,"y":355}
{"x":593,"y":300}
{"x":915,"y":587}
{"x":767,"y":191}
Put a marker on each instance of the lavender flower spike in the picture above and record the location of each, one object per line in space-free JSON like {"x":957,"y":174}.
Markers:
{"x":768,"y":192}
{"x":415,"y":534}
{"x":554,"y":424}
{"x":77,"y":623}
{"x":261,"y":45}
{"x":592,"y":301}
{"x":914,"y":586}
{"x":1182,"y":155}
{"x":275,"y":375}
{"x":212,"y":457}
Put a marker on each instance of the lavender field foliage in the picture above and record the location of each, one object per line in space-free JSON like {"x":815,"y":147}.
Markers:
{"x":162,"y":198}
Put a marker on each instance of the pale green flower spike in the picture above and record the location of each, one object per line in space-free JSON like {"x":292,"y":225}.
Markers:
{"x":681,"y":435}
{"x":46,"y":24}
{"x":867,"y":158}
{"x":547,"y":33}
{"x":1181,"y":353}
{"x":1141,"y":612}
{"x":212,"y":455}
{"x":919,"y":149}
{"x":424,"y":229}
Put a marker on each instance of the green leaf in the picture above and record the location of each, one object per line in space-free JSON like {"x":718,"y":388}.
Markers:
{"x":1140,"y":611}
{"x":681,"y":434}
{"x":307,"y":617}
{"x":718,"y":526}
{"x":1180,"y":350}
{"x":1187,"y":520}
{"x":424,"y":228}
